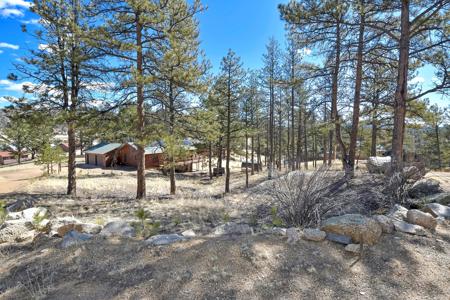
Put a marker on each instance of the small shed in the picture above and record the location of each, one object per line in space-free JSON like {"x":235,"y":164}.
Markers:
{"x":7,"y":157}
{"x":102,"y":154}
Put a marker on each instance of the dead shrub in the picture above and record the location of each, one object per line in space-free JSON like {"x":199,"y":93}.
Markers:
{"x":304,"y":198}
{"x":398,"y":184}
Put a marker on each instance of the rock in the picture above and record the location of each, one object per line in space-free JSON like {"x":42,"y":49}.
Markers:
{"x":437,"y":210}
{"x":314,"y":234}
{"x":28,"y":214}
{"x":292,"y":235}
{"x":16,"y":232}
{"x":43,"y":225}
{"x":232,"y":228}
{"x":424,"y":187}
{"x":90,"y":228}
{"x":74,"y":238}
{"x":164,"y":239}
{"x":398,"y":212}
{"x":385,"y":222}
{"x":339,"y":238}
{"x":403,"y":226}
{"x":118,"y":228}
{"x":278,"y":231}
{"x":423,"y":219}
{"x":377,"y":164}
{"x":355,"y":226}
{"x":441,"y":198}
{"x":188,"y":233}
{"x":353,"y":248}
{"x":62,"y":230}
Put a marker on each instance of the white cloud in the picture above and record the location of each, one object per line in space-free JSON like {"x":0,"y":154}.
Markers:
{"x":13,"y":8}
{"x":1,"y":51}
{"x":417,"y":79}
{"x":9,"y":85}
{"x":32,"y":21}
{"x":11,"y":12}
{"x":9,"y":3}
{"x":10,"y":46}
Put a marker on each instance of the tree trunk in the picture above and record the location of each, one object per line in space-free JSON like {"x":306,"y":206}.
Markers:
{"x":299,"y":140}
{"x":357,"y":98}
{"x":246,"y":160}
{"x":305,"y":137}
{"x":438,"y":146}
{"x":171,"y":132}
{"x":141,"y":190}
{"x":210,"y":160}
{"x":334,"y":95}
{"x":401,"y":90}
{"x":227,"y":166}
{"x":373,"y":146}
{"x":71,"y":171}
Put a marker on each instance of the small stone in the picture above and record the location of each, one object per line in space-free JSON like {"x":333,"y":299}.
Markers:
{"x":74,"y":238}
{"x":118,"y":228}
{"x":353,"y":248}
{"x":231,"y":228}
{"x":398,"y":212}
{"x":423,"y":219}
{"x":292,"y":235}
{"x":91,"y":228}
{"x":188,"y":233}
{"x":62,"y":230}
{"x":438,"y":210}
{"x":164,"y":239}
{"x":338,"y":238}
{"x":402,"y":226}
{"x":385,"y":222}
{"x":311,"y":269}
{"x":278,"y":231}
{"x":314,"y":234}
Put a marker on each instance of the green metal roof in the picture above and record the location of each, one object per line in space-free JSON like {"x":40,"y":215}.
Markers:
{"x":103,"y":148}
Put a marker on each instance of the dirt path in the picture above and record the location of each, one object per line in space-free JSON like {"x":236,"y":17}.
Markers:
{"x":14,"y":178}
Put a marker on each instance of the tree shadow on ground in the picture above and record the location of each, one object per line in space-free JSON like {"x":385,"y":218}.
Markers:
{"x":241,"y":267}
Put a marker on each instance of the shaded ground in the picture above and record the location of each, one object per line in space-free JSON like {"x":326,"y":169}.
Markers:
{"x":246,"y":267}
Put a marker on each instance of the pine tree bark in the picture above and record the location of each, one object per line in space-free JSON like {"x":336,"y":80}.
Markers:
{"x":373,"y":145}
{"x":141,"y":188}
{"x":357,"y":98}
{"x":227,"y":164}
{"x":334,"y":96}
{"x":173,"y":187}
{"x":401,"y":89}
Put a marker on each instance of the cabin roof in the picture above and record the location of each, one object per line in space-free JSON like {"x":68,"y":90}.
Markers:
{"x":103,"y":148}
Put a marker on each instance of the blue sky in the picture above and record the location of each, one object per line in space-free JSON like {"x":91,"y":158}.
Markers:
{"x":242,"y":25}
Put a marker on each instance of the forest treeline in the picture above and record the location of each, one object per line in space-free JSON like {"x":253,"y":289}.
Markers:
{"x":345,"y":84}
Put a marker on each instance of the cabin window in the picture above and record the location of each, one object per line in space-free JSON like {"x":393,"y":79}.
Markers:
{"x":96,"y":160}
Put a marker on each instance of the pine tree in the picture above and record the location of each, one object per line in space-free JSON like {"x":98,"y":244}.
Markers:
{"x":230,"y":90}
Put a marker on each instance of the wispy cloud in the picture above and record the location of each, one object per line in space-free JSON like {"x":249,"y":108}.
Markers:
{"x":417,"y":79}
{"x":13,"y":8}
{"x":31,"y":21}
{"x":10,"y":46}
{"x":12,"y":86}
{"x":1,"y":51}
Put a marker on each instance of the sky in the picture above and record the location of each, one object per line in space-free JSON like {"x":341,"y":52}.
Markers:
{"x":244,"y":26}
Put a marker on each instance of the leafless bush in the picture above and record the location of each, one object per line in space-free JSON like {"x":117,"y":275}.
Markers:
{"x":38,"y":281}
{"x":398,"y":183}
{"x":304,"y":198}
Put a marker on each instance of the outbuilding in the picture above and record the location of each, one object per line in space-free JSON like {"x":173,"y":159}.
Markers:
{"x":101,"y":155}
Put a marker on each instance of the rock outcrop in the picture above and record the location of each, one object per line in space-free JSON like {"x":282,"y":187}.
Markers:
{"x":437,"y":210}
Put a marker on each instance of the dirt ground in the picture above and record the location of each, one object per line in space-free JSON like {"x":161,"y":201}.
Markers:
{"x":15,"y":178}
{"x":400,"y":266}
{"x":259,"y":266}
